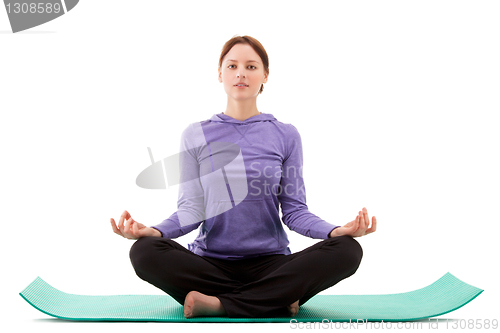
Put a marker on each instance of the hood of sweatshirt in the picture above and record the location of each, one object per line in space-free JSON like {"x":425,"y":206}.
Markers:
{"x":223,"y":118}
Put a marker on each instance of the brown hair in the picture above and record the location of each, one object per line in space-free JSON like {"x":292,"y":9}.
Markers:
{"x":254,"y":43}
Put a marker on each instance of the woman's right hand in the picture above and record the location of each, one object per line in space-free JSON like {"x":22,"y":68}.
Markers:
{"x":132,"y":229}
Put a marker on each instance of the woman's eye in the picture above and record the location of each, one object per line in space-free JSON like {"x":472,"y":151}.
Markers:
{"x":234,"y":66}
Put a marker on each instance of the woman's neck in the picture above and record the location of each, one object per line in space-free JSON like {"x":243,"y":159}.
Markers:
{"x":241,"y":110}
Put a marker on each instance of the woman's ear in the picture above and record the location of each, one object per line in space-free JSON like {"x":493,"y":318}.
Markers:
{"x":219,"y":75}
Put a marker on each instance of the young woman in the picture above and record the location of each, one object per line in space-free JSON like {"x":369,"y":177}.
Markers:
{"x":240,"y":264}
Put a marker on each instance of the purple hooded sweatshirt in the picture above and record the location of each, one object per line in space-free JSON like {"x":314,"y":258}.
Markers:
{"x":234,"y":176}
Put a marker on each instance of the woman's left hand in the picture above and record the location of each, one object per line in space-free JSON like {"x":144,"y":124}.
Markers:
{"x":358,"y":227}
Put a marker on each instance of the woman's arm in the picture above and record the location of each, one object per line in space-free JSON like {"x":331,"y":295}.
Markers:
{"x":157,"y":233}
{"x":292,"y":195}
{"x":191,"y":200}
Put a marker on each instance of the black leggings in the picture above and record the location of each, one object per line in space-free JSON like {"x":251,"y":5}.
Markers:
{"x":256,"y":287}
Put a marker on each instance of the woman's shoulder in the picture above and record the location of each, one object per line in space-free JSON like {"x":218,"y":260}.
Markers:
{"x":284,"y":128}
{"x":192,"y":135}
{"x":289,"y":130}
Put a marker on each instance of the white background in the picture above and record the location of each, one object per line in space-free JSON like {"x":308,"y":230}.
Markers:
{"x":397,"y":103}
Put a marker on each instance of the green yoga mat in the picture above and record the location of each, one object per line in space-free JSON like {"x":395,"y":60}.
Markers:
{"x":443,"y":296}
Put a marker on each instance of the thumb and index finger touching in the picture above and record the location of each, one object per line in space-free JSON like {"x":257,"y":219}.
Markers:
{"x":117,"y":228}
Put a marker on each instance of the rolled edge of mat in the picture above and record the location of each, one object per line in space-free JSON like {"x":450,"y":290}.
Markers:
{"x":35,"y":291}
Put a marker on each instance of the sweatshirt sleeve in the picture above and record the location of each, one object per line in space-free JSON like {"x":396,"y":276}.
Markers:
{"x":292,"y":197}
{"x":190,"y":204}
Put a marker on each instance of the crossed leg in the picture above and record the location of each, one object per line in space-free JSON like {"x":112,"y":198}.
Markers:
{"x":267,"y":286}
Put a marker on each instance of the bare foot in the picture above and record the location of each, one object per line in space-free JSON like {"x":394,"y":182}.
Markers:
{"x":293,"y":308}
{"x":198,"y":304}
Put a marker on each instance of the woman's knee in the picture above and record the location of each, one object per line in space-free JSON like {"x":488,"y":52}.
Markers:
{"x":146,"y":252}
{"x":356,"y":251}
{"x":352,"y":252}
{"x":142,"y":252}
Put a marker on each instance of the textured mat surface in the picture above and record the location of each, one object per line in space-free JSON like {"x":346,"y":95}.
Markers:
{"x":445,"y":295}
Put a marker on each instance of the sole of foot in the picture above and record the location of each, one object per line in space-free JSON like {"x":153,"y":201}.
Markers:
{"x":197,"y":304}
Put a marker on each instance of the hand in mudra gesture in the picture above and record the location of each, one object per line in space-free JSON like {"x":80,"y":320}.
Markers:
{"x":131,"y":229}
{"x":358,"y":227}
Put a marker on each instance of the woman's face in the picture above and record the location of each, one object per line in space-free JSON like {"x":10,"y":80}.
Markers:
{"x":242,"y":65}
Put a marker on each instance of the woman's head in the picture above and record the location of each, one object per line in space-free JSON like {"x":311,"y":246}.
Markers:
{"x":243,"y":59}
